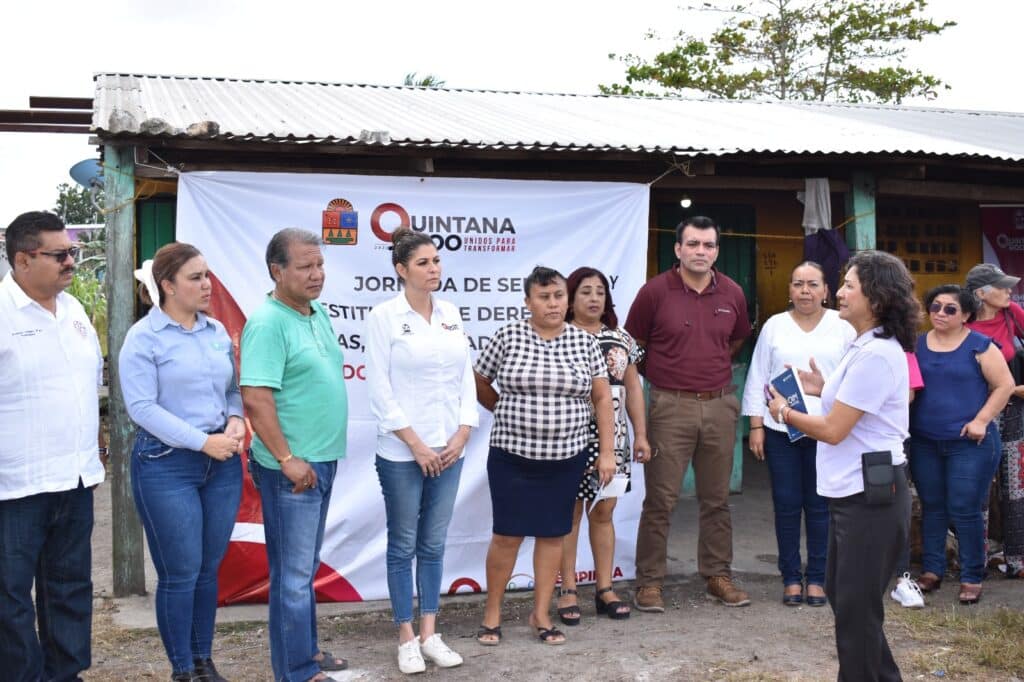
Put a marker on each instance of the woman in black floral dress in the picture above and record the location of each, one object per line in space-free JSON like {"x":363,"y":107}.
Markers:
{"x":591,"y":309}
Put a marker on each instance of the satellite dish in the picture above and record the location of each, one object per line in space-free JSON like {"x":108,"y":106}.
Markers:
{"x":87,"y":173}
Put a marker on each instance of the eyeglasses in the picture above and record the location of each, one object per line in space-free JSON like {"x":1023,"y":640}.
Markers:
{"x":59,"y":256}
{"x":949,"y":308}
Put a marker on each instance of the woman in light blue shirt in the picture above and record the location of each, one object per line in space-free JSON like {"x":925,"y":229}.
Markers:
{"x":423,"y":395}
{"x":177,"y":375}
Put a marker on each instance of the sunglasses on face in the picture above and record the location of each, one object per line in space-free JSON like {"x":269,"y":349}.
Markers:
{"x":59,"y":256}
{"x":949,"y":308}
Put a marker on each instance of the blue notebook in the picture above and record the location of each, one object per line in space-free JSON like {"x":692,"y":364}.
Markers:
{"x":788,"y":386}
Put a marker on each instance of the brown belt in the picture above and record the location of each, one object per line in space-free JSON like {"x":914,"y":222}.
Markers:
{"x":697,"y":395}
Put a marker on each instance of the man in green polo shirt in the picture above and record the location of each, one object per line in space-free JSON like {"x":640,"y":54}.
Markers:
{"x":294,"y":394}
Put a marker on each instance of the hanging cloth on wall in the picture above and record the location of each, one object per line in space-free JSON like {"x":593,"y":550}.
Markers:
{"x":822,"y":244}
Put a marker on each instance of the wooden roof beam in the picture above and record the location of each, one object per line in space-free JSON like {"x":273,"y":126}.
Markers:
{"x":45,"y":116}
{"x":42,"y":128}
{"x":949,"y":190}
{"x":35,"y":102}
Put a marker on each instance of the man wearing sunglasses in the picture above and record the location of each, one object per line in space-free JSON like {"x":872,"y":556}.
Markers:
{"x":49,"y":456}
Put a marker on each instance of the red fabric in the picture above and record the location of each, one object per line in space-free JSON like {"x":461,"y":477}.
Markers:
{"x":998,"y":329}
{"x":245,"y":578}
{"x":687,"y":334}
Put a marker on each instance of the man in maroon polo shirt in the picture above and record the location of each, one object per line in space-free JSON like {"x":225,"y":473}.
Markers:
{"x":692,"y":320}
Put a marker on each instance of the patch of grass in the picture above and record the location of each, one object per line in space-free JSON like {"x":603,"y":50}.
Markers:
{"x":965,"y":644}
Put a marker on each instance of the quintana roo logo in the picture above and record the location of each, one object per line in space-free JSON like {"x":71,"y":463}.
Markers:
{"x":450,"y":242}
{"x":340,"y":224}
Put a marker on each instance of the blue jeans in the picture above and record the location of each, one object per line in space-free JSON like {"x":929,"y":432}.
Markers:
{"x":293,"y":524}
{"x":418,"y":511}
{"x":795,"y":494}
{"x":188,"y":503}
{"x":952,"y":479}
{"x":46,"y":539}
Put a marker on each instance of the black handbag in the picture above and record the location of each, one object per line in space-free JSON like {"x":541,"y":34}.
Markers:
{"x":1016,"y":363}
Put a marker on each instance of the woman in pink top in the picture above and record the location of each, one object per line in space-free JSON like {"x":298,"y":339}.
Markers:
{"x":999,"y":318}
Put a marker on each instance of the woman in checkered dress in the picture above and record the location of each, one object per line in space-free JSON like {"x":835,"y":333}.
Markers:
{"x":591,"y":309}
{"x":549,"y":373}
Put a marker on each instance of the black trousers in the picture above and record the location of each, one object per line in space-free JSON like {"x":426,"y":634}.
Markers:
{"x":865,"y":543}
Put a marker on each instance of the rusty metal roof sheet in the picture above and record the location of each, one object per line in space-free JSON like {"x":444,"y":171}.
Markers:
{"x":400,"y":116}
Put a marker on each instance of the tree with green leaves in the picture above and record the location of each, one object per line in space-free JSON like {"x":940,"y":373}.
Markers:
{"x":823,"y":50}
{"x":75,"y":207}
{"x":428,"y":81}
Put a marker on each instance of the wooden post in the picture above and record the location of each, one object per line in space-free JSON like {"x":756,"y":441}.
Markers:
{"x":860,"y":205}
{"x":119,"y":187}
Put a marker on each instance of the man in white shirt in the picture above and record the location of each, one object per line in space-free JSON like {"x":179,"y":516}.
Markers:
{"x":49,"y":456}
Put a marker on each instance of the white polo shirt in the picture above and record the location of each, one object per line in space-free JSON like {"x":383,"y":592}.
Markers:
{"x":419,"y":374}
{"x":50,"y":369}
{"x":872,"y":377}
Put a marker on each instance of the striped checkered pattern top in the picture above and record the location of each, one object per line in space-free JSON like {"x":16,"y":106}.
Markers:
{"x":544,"y":385}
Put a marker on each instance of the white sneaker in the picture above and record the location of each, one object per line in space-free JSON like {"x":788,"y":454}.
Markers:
{"x":410,"y":660}
{"x":907,"y":593}
{"x":438,"y":652}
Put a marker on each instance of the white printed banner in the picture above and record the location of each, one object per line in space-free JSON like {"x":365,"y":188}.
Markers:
{"x":490,"y":234}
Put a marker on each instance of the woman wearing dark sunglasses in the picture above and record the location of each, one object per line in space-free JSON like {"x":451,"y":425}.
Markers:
{"x":954,"y":442}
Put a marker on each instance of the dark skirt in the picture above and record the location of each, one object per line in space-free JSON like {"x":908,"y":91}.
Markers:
{"x":530,"y":497}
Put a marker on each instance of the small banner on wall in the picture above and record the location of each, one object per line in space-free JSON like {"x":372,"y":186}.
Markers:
{"x":1002,"y":232}
{"x":490,"y":234}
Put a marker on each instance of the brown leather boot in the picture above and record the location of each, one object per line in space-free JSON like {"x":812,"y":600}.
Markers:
{"x":648,"y":599}
{"x":720,"y":587}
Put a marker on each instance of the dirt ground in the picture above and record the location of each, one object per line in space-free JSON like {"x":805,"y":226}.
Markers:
{"x":695,"y":639}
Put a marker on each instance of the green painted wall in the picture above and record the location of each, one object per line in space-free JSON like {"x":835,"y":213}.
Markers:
{"x":155,"y":220}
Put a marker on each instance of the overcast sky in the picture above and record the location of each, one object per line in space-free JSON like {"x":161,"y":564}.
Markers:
{"x":53,"y":48}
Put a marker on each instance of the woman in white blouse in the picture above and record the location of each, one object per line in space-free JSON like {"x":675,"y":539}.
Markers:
{"x":423,"y":395}
{"x":809,"y":329}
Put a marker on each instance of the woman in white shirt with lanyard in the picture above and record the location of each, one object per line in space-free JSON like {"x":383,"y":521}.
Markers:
{"x":863,"y":424}
{"x":790,"y":339}
{"x":423,"y":395}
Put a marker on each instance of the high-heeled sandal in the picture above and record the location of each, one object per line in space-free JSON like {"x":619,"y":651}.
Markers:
{"x":611,"y":608}
{"x":569,"y":615}
{"x":929,"y":582}
{"x":970,"y":594}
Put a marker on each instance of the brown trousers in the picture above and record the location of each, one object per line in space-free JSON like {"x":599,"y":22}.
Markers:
{"x":682,"y":429}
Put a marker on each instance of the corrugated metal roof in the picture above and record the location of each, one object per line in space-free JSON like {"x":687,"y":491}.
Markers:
{"x":332,"y":113}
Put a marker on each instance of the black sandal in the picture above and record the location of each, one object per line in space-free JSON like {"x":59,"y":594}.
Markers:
{"x":569,"y":615}
{"x":330,"y":662}
{"x":611,"y":607}
{"x":547,"y":636}
{"x":485,"y":631}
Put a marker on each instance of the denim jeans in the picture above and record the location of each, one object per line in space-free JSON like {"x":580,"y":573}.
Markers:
{"x":293,"y":524}
{"x":187,"y":502}
{"x":795,"y":494}
{"x":952,"y":479}
{"x":418,"y":510}
{"x":46,"y":539}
